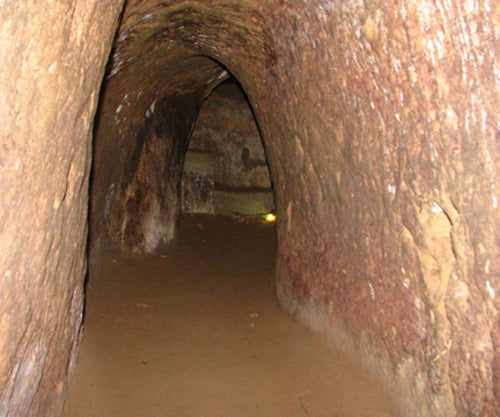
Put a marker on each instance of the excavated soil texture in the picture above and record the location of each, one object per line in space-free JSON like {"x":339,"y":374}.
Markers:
{"x":198,"y":333}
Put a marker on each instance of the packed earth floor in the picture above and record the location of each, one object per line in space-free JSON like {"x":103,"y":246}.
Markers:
{"x":198,"y":333}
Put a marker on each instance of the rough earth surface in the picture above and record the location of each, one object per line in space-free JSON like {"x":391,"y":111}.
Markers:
{"x":53,"y":61}
{"x":199,"y":332}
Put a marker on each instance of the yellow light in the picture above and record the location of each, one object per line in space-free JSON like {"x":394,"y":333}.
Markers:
{"x":270,"y":217}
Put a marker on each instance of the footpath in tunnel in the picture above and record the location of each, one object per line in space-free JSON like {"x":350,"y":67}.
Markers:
{"x":198,"y":333}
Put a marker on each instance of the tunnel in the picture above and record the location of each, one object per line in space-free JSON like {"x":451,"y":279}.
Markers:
{"x":381,"y":130}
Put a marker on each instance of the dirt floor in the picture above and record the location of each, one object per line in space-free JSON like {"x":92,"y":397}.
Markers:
{"x":198,"y":333}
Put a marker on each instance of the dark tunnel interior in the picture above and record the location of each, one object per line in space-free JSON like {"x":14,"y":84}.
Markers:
{"x":194,"y":327}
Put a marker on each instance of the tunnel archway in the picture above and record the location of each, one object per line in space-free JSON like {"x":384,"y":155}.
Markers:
{"x":226,"y":171}
{"x":184,"y":44}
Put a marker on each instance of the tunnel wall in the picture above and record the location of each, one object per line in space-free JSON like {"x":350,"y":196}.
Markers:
{"x":389,"y":210}
{"x":141,"y":138}
{"x":389,"y":215}
{"x":53,"y":59}
{"x":148,"y":197}
{"x":381,"y":129}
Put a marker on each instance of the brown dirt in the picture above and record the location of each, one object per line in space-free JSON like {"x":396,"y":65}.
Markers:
{"x":198,"y":333}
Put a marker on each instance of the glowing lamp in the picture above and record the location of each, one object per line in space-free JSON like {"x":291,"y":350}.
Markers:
{"x":270,"y":217}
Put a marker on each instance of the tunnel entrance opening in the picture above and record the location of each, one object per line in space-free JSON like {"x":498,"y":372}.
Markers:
{"x":226,"y":171}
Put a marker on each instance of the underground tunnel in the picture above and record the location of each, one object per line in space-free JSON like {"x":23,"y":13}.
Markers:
{"x":381,"y":130}
{"x":197,"y":330}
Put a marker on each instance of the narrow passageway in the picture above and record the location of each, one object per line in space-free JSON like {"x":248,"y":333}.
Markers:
{"x":198,"y":332}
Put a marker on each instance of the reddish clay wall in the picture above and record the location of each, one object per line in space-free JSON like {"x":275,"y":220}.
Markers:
{"x":53,"y":60}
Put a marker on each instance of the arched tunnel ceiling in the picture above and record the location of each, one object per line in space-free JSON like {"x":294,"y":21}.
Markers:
{"x":165,"y":44}
{"x":166,"y":59}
